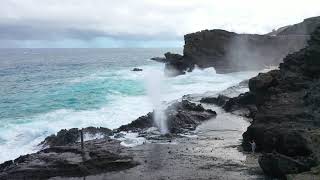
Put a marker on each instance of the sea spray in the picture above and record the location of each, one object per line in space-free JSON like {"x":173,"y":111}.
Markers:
{"x":154,"y":80}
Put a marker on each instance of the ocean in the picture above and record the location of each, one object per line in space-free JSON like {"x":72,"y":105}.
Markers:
{"x":45,"y":90}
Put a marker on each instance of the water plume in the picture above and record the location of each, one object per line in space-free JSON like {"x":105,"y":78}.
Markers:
{"x":154,"y":89}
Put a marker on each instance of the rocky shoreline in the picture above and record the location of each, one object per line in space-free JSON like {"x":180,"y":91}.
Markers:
{"x":63,"y":156}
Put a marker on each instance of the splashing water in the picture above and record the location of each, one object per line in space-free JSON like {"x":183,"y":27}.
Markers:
{"x":154,"y":89}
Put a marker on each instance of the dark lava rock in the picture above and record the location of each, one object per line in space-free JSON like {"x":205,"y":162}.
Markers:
{"x":181,"y":116}
{"x":288,"y":111}
{"x":278,"y":165}
{"x":175,"y":65}
{"x":99,"y":156}
{"x":137,"y":69}
{"x":159,"y":59}
{"x":137,"y":125}
{"x":65,"y":137}
{"x":245,"y":104}
{"x":220,"y":100}
{"x":230,"y":52}
{"x":184,"y":116}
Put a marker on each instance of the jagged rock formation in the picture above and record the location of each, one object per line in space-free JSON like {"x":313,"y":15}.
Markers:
{"x":287,"y":121}
{"x":233,"y":101}
{"x":181,"y":116}
{"x":230,"y":52}
{"x":66,"y":137}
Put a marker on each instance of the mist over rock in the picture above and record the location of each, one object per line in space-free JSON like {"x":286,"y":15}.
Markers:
{"x":181,"y":117}
{"x":305,"y":28}
{"x":230,"y":52}
{"x":286,"y":126}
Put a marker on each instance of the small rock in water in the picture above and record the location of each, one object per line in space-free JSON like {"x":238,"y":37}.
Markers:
{"x":137,"y":69}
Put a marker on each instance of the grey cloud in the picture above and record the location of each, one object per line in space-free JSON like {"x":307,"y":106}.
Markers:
{"x":142,"y":20}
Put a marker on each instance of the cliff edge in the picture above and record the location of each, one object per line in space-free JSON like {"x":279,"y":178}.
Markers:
{"x":230,"y":52}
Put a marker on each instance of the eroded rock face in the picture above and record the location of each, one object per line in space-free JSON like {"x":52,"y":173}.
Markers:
{"x":181,"y":116}
{"x":99,"y":156}
{"x":230,"y":52}
{"x":288,"y":112}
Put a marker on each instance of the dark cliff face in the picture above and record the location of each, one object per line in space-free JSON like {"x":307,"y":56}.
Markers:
{"x":287,"y":122}
{"x":231,"y":52}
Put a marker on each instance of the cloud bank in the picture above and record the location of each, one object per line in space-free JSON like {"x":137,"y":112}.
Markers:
{"x":131,"y":23}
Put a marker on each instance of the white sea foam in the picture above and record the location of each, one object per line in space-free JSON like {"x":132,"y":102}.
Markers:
{"x":131,"y":139}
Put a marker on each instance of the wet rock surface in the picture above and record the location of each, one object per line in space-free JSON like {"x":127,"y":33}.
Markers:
{"x":288,"y":112}
{"x":181,"y":117}
{"x":243,"y":104}
{"x":176,"y":65}
{"x":98,"y":156}
{"x":65,"y":137}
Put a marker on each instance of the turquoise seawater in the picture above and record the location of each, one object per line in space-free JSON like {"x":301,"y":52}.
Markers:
{"x":45,"y":90}
{"x":36,"y":81}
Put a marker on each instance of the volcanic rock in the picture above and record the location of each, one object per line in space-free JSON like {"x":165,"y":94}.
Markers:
{"x":98,"y":156}
{"x":137,"y":69}
{"x":288,"y":111}
{"x":230,"y":52}
{"x":181,"y":116}
{"x":65,"y":137}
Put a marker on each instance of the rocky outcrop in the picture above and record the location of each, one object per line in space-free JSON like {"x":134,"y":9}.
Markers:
{"x":176,"y":65}
{"x":66,"y":137}
{"x":98,"y":156}
{"x":288,"y":113}
{"x":230,"y":52}
{"x":181,"y":117}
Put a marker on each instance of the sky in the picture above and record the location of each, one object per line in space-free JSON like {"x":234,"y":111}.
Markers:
{"x":138,"y":23}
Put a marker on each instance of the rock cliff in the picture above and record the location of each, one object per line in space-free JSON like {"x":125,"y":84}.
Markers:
{"x":230,"y":52}
{"x":286,"y":126}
